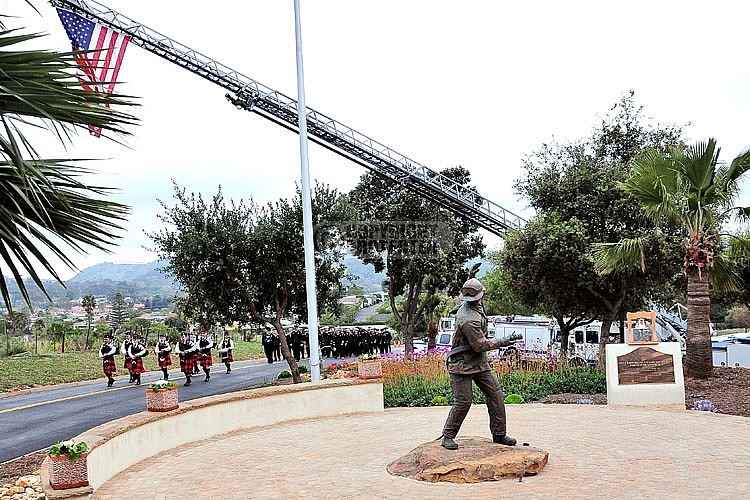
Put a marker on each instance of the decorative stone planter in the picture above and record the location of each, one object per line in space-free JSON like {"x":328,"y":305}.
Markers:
{"x":161,"y":399}
{"x":65,"y":473}
{"x":370,"y":368}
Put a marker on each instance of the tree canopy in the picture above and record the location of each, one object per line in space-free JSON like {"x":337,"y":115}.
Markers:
{"x":242,"y":263}
{"x":573,"y":188}
{"x":423,"y":247}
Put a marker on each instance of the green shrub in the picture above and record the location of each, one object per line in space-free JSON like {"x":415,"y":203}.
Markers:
{"x":302,"y":368}
{"x":514,"y":399}
{"x":284,"y":374}
{"x":439,"y":401}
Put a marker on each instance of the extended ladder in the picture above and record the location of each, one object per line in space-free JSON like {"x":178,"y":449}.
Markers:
{"x":283,"y":110}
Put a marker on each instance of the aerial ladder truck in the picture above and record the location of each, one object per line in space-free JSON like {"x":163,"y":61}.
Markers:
{"x":251,"y":95}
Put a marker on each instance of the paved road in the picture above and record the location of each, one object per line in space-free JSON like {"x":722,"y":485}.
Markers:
{"x":35,"y":419}
{"x":364,"y":313}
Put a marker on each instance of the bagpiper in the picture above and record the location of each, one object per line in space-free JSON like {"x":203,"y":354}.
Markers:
{"x":125,"y":348}
{"x":136,"y":352}
{"x":162,"y":350}
{"x":225,"y":351}
{"x":186,"y":350}
{"x":205,"y":358}
{"x":107,"y":354}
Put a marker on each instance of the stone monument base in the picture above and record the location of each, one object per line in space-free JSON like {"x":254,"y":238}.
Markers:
{"x":644,"y":375}
{"x":476,"y":460}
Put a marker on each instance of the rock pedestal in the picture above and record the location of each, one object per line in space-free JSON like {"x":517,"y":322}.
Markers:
{"x":476,"y":460}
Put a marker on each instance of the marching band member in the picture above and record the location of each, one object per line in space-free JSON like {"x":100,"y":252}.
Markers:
{"x":136,"y":352}
{"x":162,"y":350}
{"x":186,"y":349}
{"x":225,"y":351}
{"x":125,"y":348}
{"x":107,"y":354}
{"x":206,"y":360}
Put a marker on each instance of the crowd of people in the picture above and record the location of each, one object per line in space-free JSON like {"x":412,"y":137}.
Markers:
{"x":194,"y":353}
{"x":335,"y":342}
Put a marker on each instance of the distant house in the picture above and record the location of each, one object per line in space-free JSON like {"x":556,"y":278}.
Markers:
{"x":349,"y":300}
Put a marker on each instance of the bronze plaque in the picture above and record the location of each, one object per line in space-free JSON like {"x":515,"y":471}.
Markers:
{"x":645,"y":365}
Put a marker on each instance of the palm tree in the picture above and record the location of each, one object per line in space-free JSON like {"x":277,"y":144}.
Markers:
{"x":43,"y":202}
{"x":689,"y":187}
{"x":88,"y":302}
{"x":39,"y":326}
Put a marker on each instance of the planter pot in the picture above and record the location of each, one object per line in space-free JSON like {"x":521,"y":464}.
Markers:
{"x":370,"y":368}
{"x":64,"y":473}
{"x":161,"y":399}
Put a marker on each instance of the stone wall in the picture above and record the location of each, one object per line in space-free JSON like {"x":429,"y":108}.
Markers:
{"x":119,"y":444}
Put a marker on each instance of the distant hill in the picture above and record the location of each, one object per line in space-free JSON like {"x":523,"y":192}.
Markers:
{"x":142,"y":283}
{"x":146,"y":273}
{"x":145,"y":283}
{"x":368,"y":279}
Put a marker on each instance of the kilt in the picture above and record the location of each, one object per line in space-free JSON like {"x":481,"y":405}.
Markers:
{"x":136,"y":366}
{"x":165,"y":360}
{"x":206,"y":360}
{"x":186,"y":363}
{"x":226,"y":357}
{"x":126,"y":363}
{"x":108,"y":366}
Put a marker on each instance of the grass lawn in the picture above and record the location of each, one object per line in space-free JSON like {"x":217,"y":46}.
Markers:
{"x":32,"y":370}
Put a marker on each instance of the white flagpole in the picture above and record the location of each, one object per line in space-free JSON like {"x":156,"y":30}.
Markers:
{"x":312,"y":304}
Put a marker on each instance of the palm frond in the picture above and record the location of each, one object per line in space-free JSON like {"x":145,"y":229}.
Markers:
{"x":44,"y":206}
{"x":624,"y":255}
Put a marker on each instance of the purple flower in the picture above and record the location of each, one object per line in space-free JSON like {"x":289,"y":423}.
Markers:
{"x":704,"y":405}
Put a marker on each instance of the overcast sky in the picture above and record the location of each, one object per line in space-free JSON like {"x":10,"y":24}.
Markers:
{"x":479,"y":84}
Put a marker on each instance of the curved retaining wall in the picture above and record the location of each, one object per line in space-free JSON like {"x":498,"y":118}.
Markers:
{"x":124,"y":442}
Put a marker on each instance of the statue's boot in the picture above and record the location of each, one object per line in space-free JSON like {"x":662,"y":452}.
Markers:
{"x":503,"y":438}
{"x":449,"y":443}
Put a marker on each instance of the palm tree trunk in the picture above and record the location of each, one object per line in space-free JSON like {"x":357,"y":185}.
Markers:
{"x":698,"y":356}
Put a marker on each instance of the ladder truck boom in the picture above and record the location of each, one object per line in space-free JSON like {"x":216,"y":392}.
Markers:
{"x":251,"y":95}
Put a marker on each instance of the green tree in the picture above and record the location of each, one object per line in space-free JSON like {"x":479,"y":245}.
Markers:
{"x":423,"y":247}
{"x":245,"y":264}
{"x":16,"y":320}
{"x":739,"y":317}
{"x":118,"y":315}
{"x":501,"y":297}
{"x":207,"y":247}
{"x":687,"y":187}
{"x":277,"y":268}
{"x":58,"y":330}
{"x":39,"y":326}
{"x":88,"y":302}
{"x":100,"y":330}
{"x":573,"y":188}
{"x":45,"y":203}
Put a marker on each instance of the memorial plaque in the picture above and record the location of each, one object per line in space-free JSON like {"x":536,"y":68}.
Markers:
{"x":645,"y":365}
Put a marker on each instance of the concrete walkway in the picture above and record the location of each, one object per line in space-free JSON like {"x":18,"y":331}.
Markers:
{"x":594,"y":452}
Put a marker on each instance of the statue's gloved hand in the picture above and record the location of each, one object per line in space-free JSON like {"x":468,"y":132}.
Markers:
{"x":506,"y":341}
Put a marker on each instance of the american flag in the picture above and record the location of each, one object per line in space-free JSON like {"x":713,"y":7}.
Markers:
{"x":101,"y":65}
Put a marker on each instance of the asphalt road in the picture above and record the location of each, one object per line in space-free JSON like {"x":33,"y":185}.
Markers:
{"x":34,"y":420}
